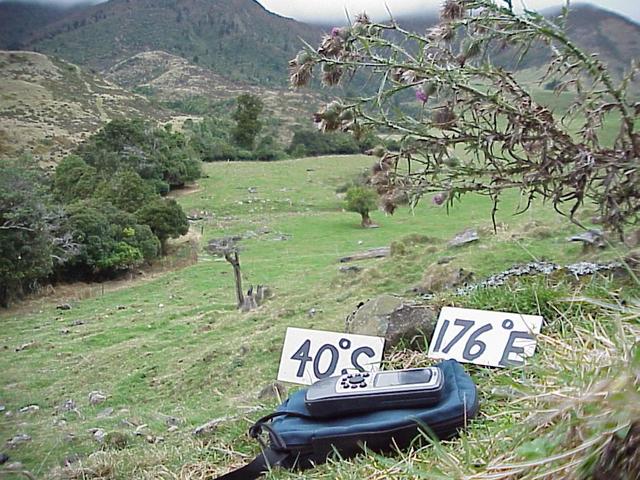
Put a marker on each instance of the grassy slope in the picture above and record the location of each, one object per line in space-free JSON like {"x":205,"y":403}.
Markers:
{"x":174,"y":345}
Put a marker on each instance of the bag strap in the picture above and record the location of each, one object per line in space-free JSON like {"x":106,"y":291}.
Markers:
{"x":263,"y":463}
{"x":270,"y":457}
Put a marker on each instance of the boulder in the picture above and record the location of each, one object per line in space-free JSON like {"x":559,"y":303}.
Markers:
{"x":468,"y":236}
{"x":96,"y":397}
{"x":395,"y":318}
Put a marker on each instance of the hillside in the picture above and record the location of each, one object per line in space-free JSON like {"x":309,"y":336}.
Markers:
{"x":169,"y":352}
{"x":237,"y":39}
{"x":49,"y":105}
{"x":176,"y":81}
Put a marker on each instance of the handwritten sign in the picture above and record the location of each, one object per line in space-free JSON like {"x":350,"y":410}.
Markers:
{"x":496,"y":339}
{"x":310,"y":355}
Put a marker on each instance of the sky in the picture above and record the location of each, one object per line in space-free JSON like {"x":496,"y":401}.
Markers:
{"x":334,"y":10}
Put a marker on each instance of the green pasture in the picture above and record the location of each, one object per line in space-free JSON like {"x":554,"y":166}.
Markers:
{"x":173,"y":345}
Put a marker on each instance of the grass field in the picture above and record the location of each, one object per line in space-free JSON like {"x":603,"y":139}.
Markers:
{"x":172,"y":349}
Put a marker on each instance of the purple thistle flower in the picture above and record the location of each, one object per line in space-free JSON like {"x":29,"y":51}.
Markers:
{"x":336,"y":31}
{"x":439,"y":198}
{"x":421,"y":96}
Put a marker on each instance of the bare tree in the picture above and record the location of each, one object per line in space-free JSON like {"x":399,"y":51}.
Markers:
{"x":227,"y":247}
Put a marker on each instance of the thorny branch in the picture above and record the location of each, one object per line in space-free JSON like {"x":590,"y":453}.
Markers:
{"x":472,"y":105}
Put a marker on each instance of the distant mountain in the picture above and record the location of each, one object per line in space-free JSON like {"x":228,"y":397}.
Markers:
{"x":49,"y":106}
{"x":237,"y":39}
{"x":615,"y":38}
{"x":19,"y":21}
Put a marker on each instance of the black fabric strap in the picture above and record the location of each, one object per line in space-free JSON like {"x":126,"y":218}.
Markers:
{"x":264,"y":462}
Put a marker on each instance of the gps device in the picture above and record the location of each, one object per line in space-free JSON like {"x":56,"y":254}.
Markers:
{"x":370,"y":391}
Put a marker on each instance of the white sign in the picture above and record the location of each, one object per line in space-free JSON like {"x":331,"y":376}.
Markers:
{"x":496,"y":339}
{"x":309,"y":355}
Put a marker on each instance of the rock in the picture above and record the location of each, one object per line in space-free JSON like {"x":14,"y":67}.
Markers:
{"x":209,"y":427}
{"x":18,"y":440}
{"x":2,"y":408}
{"x":77,"y":323}
{"x":14,"y":466}
{"x":439,"y":277}
{"x":468,"y":236}
{"x":24,"y":346}
{"x":380,"y":252}
{"x":312,"y":312}
{"x":63,"y":306}
{"x":172,"y":428}
{"x":170,"y":421}
{"x":116,"y":440}
{"x":96,"y":397}
{"x":350,"y":269}
{"x":394,"y":318}
{"x":445,"y":260}
{"x":121,"y":307}
{"x":69,"y":437}
{"x":593,"y":238}
{"x":275,"y":390}
{"x":98,"y":434}
{"x":29,"y":409}
{"x":4,"y":458}
{"x":633,"y":239}
{"x":106,"y":413}
{"x":67,"y":406}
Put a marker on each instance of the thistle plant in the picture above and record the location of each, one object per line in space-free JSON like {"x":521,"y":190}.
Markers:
{"x":467,"y":103}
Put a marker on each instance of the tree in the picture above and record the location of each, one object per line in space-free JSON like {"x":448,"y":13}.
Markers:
{"x":362,"y":200}
{"x":166,"y":219}
{"x":248,"y":125}
{"x":74,"y":180}
{"x":125,"y":190}
{"x":28,"y":224}
{"x":156,"y":154}
{"x":227,"y":247}
{"x":468,"y":103}
{"x":109,"y":239}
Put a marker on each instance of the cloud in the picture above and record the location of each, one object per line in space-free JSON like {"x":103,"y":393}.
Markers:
{"x":334,"y":10}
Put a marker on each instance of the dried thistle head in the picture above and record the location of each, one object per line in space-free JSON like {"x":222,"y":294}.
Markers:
{"x":363,"y":19}
{"x":301,"y":69}
{"x":442,"y":32}
{"x":443,"y":117}
{"x":328,"y":118}
{"x":331,"y":74}
{"x":452,"y":10}
{"x":332,"y":45}
{"x":388,"y":204}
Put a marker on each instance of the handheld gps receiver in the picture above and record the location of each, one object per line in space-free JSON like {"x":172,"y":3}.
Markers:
{"x":366,"y":392}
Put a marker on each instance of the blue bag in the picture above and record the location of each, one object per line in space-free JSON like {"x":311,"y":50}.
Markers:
{"x":297,"y":440}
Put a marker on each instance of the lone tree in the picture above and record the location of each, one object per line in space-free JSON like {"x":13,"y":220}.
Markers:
{"x":466,"y":102}
{"x":227,"y":247}
{"x":166,"y":219}
{"x":362,"y":200}
{"x":248,"y":124}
